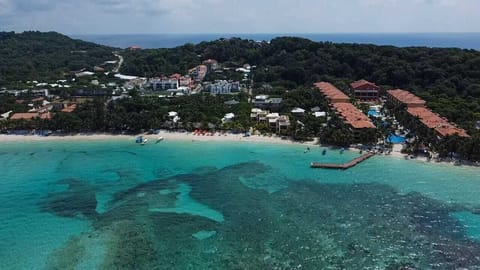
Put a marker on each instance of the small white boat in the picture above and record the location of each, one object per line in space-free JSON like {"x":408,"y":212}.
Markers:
{"x":159,"y":139}
{"x":144,"y":141}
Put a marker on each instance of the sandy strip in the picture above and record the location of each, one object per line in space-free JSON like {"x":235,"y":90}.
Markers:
{"x":170,"y":136}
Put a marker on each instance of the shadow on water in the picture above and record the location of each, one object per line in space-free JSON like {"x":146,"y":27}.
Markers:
{"x":307,"y":225}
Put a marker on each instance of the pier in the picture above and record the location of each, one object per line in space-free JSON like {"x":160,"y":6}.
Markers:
{"x":343,"y":166}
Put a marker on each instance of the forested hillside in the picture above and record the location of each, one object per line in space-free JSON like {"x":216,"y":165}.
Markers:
{"x":449,"y":79}
{"x":41,"y":56}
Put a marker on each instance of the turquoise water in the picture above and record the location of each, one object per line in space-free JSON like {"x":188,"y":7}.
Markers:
{"x":202,"y":205}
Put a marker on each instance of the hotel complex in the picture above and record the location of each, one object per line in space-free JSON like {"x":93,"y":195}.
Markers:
{"x":340,"y":103}
{"x":415,"y":107}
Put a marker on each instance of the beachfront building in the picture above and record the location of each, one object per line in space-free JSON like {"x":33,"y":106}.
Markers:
{"x":365,"y":91}
{"x":223,"y":87}
{"x":403,"y":103}
{"x":275,"y":121}
{"x":357,"y":122}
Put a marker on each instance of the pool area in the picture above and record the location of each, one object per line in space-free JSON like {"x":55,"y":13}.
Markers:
{"x":374,"y":113}
{"x":395,"y":139}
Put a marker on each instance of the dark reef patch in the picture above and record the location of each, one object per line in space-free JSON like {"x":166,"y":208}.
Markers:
{"x":307,"y":225}
{"x":78,"y":199}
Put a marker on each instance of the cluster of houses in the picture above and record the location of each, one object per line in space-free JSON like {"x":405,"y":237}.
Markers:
{"x":178,"y":84}
{"x":40,"y":108}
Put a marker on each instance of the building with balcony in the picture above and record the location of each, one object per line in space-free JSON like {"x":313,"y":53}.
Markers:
{"x":223,"y":87}
{"x":364,"y":90}
{"x":404,"y":101}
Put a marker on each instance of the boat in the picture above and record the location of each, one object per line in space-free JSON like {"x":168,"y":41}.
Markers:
{"x":324,"y":152}
{"x":159,"y":139}
{"x":141,"y":140}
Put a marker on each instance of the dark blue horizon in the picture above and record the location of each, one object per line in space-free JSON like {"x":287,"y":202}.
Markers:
{"x":149,"y":41}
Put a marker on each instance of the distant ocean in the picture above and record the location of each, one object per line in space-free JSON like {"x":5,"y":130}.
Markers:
{"x":443,"y":40}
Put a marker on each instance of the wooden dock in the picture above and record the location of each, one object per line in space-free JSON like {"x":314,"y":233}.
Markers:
{"x":343,"y":166}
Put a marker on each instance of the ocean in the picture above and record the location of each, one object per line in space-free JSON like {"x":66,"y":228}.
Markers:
{"x":443,"y":40}
{"x":114,"y":204}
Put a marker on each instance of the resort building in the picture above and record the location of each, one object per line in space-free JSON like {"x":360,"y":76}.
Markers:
{"x":415,"y":107}
{"x":331,"y":93}
{"x":340,"y":103}
{"x":364,"y":90}
{"x":399,"y":97}
{"x":275,"y":121}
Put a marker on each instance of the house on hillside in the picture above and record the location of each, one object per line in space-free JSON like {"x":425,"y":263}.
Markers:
{"x":364,"y":90}
{"x":211,"y":65}
{"x":223,"y":87}
{"x":163,"y":84}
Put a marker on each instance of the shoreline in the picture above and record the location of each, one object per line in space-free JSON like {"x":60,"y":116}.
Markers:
{"x":217,"y":137}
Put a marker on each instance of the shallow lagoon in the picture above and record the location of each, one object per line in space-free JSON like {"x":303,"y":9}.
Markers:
{"x":206,"y":205}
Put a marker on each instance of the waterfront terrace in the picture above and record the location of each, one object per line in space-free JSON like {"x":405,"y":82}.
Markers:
{"x":415,"y":107}
{"x":341,"y":104}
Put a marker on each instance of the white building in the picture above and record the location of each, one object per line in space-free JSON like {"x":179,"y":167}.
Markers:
{"x":223,"y":87}
{"x":164,"y":84}
{"x":228,"y":118}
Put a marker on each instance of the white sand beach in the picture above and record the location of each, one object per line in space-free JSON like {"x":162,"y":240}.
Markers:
{"x":177,"y":136}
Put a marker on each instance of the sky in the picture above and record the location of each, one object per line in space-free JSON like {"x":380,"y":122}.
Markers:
{"x":240,"y":16}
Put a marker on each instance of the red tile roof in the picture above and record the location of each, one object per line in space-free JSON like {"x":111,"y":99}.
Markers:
{"x":436,"y":122}
{"x":341,"y":104}
{"x":26,"y":116}
{"x":30,"y":116}
{"x":406,"y":97}
{"x":331,"y":92}
{"x":363,"y":82}
{"x":70,"y":108}
{"x":176,"y":76}
{"x":352,"y":116}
